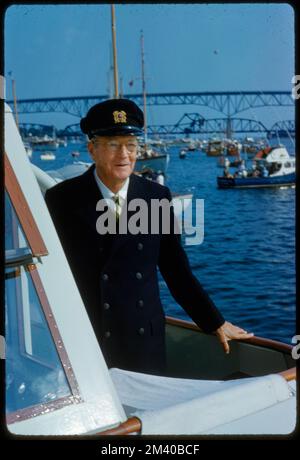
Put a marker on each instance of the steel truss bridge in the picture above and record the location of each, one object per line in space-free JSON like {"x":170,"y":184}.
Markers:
{"x":226,"y":103}
{"x":193,"y":124}
{"x":188,"y":124}
{"x":282,"y":128}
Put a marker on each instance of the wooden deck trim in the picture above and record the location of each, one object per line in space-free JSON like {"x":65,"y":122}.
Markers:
{"x":289,"y":374}
{"x":132,"y":425}
{"x":23,"y":212}
{"x":260,"y":341}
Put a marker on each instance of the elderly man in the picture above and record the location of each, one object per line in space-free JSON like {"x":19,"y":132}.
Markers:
{"x":117,"y":272}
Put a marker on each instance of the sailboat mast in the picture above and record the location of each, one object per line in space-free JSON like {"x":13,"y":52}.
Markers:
{"x":144,"y":85}
{"x":113,"y":27}
{"x":121,"y":88}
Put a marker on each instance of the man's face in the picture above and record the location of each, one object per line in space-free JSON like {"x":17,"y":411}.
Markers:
{"x":114,"y":157}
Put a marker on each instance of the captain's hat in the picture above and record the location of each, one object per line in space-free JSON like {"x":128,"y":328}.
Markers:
{"x":113,"y":117}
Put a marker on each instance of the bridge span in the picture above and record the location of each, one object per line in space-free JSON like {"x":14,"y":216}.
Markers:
{"x":228,"y":103}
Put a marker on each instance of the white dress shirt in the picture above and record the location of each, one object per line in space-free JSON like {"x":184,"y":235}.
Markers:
{"x":108,"y":195}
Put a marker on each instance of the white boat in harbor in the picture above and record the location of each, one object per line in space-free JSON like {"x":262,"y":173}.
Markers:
{"x":44,"y":143}
{"x":47,"y":156}
{"x":152,"y":160}
{"x":273,"y":167}
{"x":59,"y":385}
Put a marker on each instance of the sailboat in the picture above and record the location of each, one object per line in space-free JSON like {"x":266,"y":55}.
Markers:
{"x":149,"y":159}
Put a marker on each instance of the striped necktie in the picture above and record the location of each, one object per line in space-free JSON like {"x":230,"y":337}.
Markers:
{"x":116,"y":199}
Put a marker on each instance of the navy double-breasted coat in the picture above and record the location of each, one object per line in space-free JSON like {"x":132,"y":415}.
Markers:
{"x":117,"y":274}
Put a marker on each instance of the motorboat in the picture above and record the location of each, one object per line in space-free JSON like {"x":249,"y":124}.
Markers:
{"x":47,"y":156}
{"x":215,"y":147}
{"x":151,"y":175}
{"x":150,"y":159}
{"x":273,"y":167}
{"x":57,"y":384}
{"x":232,"y":147}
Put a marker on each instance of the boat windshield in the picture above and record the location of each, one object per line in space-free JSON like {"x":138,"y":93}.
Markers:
{"x":34,"y":373}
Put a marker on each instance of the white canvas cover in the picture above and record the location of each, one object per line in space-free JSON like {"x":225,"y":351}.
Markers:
{"x":184,"y":406}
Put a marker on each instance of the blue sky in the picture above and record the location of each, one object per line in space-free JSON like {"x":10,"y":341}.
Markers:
{"x":64,"y":50}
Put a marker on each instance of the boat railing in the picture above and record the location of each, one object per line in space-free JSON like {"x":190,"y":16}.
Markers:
{"x":255,"y":340}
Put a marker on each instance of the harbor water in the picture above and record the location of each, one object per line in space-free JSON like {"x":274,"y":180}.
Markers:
{"x":246,"y":261}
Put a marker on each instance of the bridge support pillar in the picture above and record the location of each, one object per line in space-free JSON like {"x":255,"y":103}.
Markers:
{"x":229,"y":131}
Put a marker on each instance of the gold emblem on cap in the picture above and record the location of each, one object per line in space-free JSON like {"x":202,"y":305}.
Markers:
{"x":120,"y":116}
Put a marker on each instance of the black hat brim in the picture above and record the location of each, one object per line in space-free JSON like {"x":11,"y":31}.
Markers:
{"x":117,"y":131}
